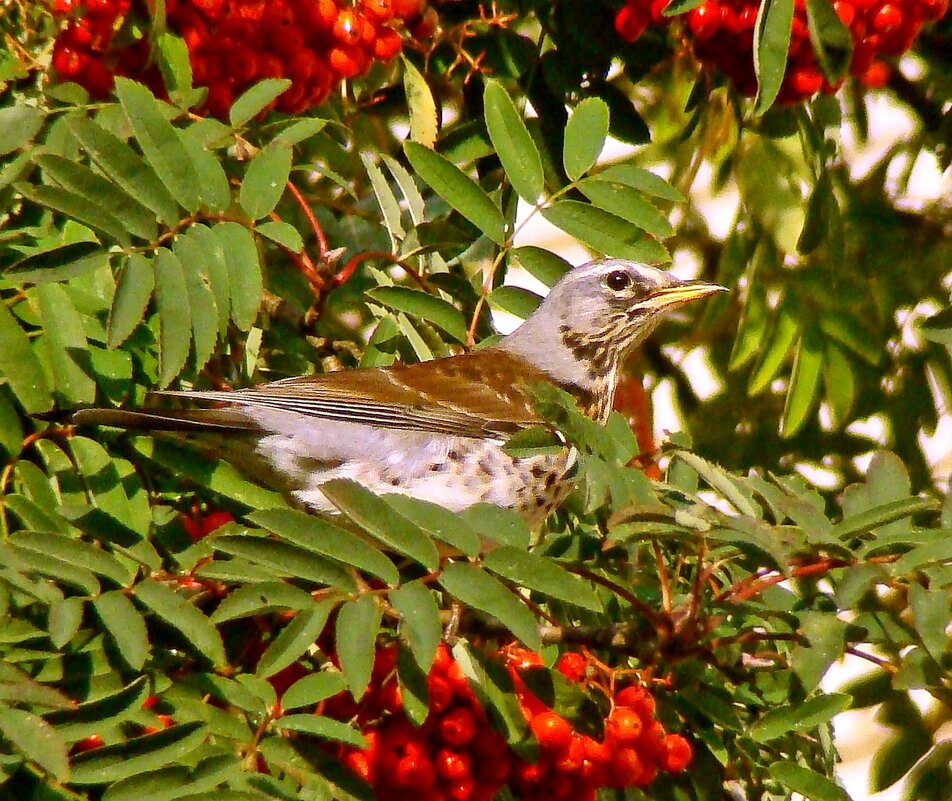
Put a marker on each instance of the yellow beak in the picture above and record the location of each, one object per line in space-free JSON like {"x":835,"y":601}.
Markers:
{"x":679,"y":294}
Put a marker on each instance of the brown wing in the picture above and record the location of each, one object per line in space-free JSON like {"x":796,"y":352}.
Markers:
{"x":481,"y":394}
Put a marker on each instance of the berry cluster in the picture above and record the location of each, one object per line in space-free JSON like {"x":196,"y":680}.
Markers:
{"x":457,"y":756}
{"x":234,"y":43}
{"x":721,"y":34}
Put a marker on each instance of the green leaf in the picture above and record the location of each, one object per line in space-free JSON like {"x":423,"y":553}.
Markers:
{"x":438,"y":522}
{"x":643,"y":180}
{"x":18,"y":125}
{"x":175,"y":319}
{"x":830,"y":38}
{"x":103,"y":193}
{"x":261,"y":598}
{"x":244,"y":272}
{"x":782,"y":340}
{"x":19,"y":366}
{"x":218,"y":476}
{"x":476,"y":588}
{"x":125,"y":626}
{"x":808,"y":783}
{"x":160,"y":143}
{"x":680,"y":6}
{"x":284,"y":559}
{"x":585,"y":136}
{"x":751,"y":328}
{"x":771,"y":43}
{"x":496,"y":524}
{"x":96,"y":715}
{"x":627,"y":203}
{"x":378,"y":518}
{"x":882,"y":515}
{"x":722,"y":481}
{"x":930,"y":612}
{"x":514,"y":146}
{"x":804,"y":390}
{"x":201,"y":300}
{"x":57,"y":264}
{"x":323,"y":537}
{"x":458,"y":189}
{"x":299,"y":131}
{"x":803,"y":717}
{"x":312,"y":689}
{"x":286,"y":235}
{"x":214,"y":189}
{"x":542,"y":264}
{"x":265,"y":180}
{"x":605,"y":232}
{"x":215,"y":268}
{"x":65,"y":339}
{"x":133,"y":292}
{"x":420,"y":621}
{"x":514,"y":300}
{"x":76,"y":552}
{"x":175,"y":610}
{"x":839,"y":384}
{"x":356,"y":636}
{"x":386,"y":199}
{"x":325,"y":728}
{"x":295,"y":638}
{"x":174,"y":64}
{"x":37,"y":740}
{"x":541,"y":574}
{"x":420,"y":104}
{"x":63,"y":620}
{"x":111,"y":763}
{"x":124,"y":166}
{"x":254,"y":99}
{"x":77,"y":207}
{"x":825,"y":635}
{"x":421,"y":304}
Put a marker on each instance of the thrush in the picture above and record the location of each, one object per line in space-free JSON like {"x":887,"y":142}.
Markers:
{"x":436,"y":430}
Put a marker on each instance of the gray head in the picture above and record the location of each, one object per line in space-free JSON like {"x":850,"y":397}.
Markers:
{"x":596,"y":313}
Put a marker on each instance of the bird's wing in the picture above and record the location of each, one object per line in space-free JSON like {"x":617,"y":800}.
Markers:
{"x":482,"y":394}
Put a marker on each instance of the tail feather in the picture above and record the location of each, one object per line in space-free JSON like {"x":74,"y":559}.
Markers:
{"x":175,"y":420}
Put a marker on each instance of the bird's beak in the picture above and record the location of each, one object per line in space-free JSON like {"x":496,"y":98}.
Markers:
{"x":678,"y":294}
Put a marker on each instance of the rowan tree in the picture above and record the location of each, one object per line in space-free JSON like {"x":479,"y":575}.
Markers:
{"x":214,"y":193}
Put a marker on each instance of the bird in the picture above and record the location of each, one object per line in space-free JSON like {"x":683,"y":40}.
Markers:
{"x":436,"y":430}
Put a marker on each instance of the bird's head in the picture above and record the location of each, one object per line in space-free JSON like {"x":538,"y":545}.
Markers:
{"x":599,"y":311}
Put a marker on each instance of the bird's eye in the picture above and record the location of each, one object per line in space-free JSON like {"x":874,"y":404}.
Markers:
{"x":618,"y":280}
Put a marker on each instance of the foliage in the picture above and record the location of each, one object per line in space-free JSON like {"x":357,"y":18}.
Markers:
{"x":145,"y":247}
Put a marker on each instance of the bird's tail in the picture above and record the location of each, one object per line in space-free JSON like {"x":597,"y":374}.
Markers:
{"x":183,"y":421}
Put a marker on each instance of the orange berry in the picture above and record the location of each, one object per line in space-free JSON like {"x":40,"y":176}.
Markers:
{"x":626,"y":724}
{"x":551,"y":730}
{"x":677,"y":753}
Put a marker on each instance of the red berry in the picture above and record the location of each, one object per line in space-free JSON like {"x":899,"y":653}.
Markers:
{"x":637,"y":698}
{"x":67,"y":61}
{"x":626,"y":768}
{"x":651,"y":742}
{"x":441,"y":694}
{"x":805,"y":81}
{"x":845,"y":11}
{"x":387,"y":44}
{"x":677,"y":753}
{"x":414,"y":772}
{"x":626,"y":724}
{"x":630,"y":22}
{"x":458,"y":726}
{"x":572,"y":666}
{"x":453,"y":765}
{"x":347,"y":28}
{"x":461,"y":790}
{"x":405,"y":9}
{"x":876,"y":75}
{"x":887,"y":18}
{"x":359,"y":763}
{"x":551,"y":730}
{"x":344,"y":61}
{"x":705,"y":20}
{"x":573,"y":756}
{"x":380,"y":10}
{"x":600,"y":752}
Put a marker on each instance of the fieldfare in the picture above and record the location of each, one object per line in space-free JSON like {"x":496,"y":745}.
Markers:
{"x":436,"y":430}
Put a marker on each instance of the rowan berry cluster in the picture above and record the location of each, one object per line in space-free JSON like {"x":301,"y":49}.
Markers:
{"x":456,"y":755}
{"x":234,"y":43}
{"x":721,"y":34}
